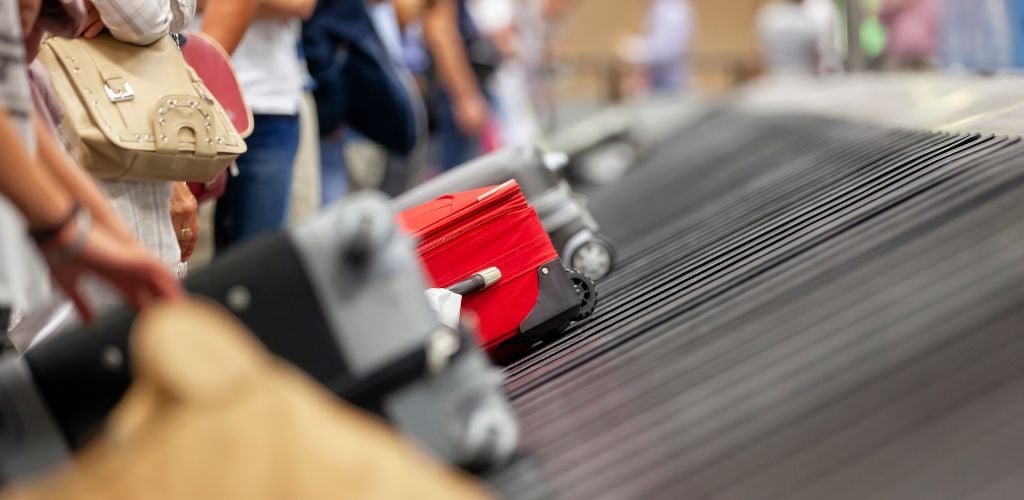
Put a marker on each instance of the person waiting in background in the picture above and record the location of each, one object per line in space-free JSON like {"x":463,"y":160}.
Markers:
{"x":163,"y":215}
{"x":658,"y":57}
{"x":515,"y":121}
{"x":226,"y":21}
{"x":462,"y":111}
{"x":827,"y":21}
{"x":976,"y":35}
{"x":267,"y":63}
{"x":913,"y":33}
{"x":789,"y":39}
{"x":670,"y":32}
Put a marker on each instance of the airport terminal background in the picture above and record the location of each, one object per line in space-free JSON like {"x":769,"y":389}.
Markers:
{"x":729,"y":249}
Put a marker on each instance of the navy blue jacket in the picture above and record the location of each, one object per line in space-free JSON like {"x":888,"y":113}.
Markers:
{"x":357,"y":83}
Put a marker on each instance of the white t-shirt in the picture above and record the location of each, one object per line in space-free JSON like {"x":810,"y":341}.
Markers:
{"x":268,"y":67}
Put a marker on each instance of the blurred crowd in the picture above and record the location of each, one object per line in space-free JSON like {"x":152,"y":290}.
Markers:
{"x":808,"y":36}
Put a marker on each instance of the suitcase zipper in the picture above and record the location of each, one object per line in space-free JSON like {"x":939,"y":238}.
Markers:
{"x":466,"y":228}
{"x":484,"y":202}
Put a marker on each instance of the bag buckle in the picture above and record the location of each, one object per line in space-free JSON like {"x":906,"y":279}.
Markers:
{"x":127,"y":93}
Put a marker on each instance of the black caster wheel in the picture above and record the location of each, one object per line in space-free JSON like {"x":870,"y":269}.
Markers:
{"x":587,"y":292}
{"x":595,"y":258}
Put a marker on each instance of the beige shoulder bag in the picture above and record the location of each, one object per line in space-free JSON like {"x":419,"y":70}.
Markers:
{"x":138,"y":112}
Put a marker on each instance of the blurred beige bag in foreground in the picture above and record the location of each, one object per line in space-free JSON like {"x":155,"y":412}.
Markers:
{"x":213,"y":416}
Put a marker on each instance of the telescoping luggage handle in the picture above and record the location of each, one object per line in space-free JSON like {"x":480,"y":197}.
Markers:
{"x":478,"y":282}
{"x":503,"y":186}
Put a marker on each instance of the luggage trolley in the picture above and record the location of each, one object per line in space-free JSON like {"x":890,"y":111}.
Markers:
{"x":564,"y":214}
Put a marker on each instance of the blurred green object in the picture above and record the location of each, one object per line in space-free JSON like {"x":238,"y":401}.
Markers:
{"x":872,"y":37}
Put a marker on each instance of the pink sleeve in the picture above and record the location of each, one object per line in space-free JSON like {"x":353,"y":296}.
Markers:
{"x":44,"y":101}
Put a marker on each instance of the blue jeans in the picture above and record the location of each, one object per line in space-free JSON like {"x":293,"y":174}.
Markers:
{"x":256,"y":201}
{"x":454,"y":147}
{"x":333,"y":171}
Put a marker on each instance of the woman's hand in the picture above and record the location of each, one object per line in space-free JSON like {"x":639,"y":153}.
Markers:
{"x":79,"y":250}
{"x":185,"y":219}
{"x":93,"y":24}
{"x":471,"y":114}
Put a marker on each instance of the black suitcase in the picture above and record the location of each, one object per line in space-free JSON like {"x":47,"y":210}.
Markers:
{"x":341,"y":297}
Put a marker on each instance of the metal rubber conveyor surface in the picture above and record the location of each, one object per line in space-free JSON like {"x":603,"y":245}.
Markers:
{"x":804,"y":309}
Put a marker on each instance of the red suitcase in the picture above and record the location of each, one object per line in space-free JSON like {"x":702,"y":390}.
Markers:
{"x":464,"y":233}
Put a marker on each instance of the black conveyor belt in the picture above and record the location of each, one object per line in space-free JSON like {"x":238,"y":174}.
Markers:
{"x":805,"y":309}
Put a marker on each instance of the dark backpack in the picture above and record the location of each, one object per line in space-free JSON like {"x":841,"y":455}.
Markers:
{"x":358,"y":84}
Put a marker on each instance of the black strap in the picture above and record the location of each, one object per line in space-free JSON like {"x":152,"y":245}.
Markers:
{"x":43,"y":235}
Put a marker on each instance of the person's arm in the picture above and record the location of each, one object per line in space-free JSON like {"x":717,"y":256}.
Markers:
{"x":185,"y":219}
{"x":74,"y":248}
{"x":408,"y":11}
{"x":226,"y":20}
{"x":441,"y":32}
{"x":285,"y":9}
{"x":35,"y":194}
{"x":75,"y":180}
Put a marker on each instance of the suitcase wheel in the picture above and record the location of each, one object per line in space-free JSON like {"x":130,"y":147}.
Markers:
{"x":587,"y":291}
{"x":594,"y":258}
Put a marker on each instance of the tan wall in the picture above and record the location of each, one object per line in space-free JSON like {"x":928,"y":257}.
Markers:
{"x":593,"y":27}
{"x":725,"y":35}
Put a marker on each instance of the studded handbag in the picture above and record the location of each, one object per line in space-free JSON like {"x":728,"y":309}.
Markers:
{"x":138,"y":112}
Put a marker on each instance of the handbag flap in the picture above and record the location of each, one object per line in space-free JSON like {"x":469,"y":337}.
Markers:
{"x":145,"y":98}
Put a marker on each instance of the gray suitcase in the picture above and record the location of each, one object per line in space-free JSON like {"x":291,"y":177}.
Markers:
{"x":574,"y":232}
{"x":341,"y":297}
{"x":604,"y":146}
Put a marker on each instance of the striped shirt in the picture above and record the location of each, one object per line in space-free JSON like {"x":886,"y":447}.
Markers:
{"x":145,"y":206}
{"x":142,"y":22}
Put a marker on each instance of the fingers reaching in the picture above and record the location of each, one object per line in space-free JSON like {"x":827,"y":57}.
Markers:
{"x":71,"y":291}
{"x":93,"y":24}
{"x":162,"y":285}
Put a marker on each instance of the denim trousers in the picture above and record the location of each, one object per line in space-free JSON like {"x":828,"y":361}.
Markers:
{"x":333,"y":170}
{"x":256,"y":200}
{"x":454,"y":147}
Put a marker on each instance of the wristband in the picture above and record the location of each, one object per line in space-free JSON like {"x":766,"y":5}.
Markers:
{"x":59,"y":254}
{"x":42,"y":236}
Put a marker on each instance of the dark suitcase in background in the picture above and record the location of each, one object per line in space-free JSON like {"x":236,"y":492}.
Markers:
{"x":564,"y":214}
{"x":530,"y":295}
{"x":341,"y":297}
{"x":602,"y":147}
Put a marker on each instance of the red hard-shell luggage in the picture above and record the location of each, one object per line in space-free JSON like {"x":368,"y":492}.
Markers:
{"x":465,"y":233}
